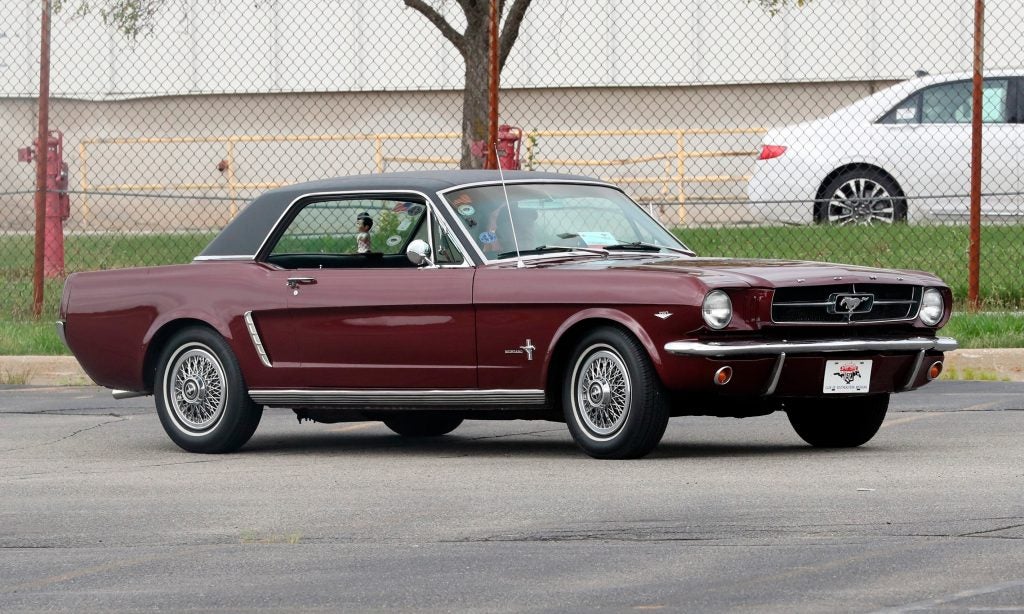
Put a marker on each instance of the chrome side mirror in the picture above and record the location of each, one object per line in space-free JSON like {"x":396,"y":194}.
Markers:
{"x":418,"y":253}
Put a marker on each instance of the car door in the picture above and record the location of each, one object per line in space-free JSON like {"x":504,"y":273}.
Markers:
{"x":373,"y":320}
{"x":927,"y":147}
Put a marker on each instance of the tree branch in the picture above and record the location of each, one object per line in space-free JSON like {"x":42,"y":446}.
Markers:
{"x":510,"y":31}
{"x":442,"y":24}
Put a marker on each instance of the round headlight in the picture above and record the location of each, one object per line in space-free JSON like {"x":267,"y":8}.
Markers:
{"x":717,"y":309}
{"x":931,"y":306}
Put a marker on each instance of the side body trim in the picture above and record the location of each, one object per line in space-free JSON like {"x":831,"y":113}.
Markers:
{"x":400,"y":398}
{"x":256,"y":341}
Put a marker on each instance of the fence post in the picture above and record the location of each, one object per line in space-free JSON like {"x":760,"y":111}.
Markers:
{"x":83,"y":182}
{"x":41,"y":156}
{"x":232,"y":188}
{"x":681,"y":174}
{"x":974,"y":250}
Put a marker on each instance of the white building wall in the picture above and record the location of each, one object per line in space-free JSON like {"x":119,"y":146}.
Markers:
{"x":202,"y":47}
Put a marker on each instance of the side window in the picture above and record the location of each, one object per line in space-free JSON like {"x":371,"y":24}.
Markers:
{"x":350,"y":227}
{"x":951,"y":103}
{"x":994,"y":95}
{"x":903,"y":113}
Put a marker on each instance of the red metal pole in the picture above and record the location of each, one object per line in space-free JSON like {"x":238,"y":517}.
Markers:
{"x":974,"y":251}
{"x":41,"y":159}
{"x":492,"y":89}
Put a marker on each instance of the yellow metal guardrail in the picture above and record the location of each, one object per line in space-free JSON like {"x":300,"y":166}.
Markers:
{"x":673,"y":181}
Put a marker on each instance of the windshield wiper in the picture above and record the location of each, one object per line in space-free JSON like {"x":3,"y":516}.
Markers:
{"x":541,"y":249}
{"x":648,"y":247}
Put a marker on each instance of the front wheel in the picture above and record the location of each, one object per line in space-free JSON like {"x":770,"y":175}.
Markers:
{"x":612,"y":398}
{"x":838,"y":423}
{"x":201,"y":396}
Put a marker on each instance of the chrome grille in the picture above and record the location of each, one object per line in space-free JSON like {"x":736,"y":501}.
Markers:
{"x":845,"y":303}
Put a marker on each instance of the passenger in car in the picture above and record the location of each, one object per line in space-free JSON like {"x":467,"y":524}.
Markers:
{"x":364,"y":224}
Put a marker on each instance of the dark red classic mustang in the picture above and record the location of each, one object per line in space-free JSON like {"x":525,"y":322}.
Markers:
{"x":423,"y":299}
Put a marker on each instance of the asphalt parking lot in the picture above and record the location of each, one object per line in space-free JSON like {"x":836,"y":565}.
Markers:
{"x":99,"y":511}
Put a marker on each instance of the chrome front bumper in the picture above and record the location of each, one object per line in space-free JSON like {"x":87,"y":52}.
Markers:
{"x":757,"y":348}
{"x":781,"y":349}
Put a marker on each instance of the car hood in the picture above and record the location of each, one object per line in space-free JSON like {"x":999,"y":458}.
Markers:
{"x":735,"y":272}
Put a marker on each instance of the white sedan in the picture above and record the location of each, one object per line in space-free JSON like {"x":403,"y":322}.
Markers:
{"x":900,"y":154}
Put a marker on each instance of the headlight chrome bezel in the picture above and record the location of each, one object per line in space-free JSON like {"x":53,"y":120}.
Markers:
{"x":716,"y":300}
{"x":933,"y":307}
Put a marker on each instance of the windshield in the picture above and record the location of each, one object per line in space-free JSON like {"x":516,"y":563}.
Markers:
{"x":555,"y":217}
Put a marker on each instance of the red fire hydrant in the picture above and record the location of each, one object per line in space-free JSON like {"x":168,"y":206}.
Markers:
{"x":58,"y":204}
{"x":509,"y":140}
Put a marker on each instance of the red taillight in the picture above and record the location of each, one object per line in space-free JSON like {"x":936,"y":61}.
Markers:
{"x":771,"y":151}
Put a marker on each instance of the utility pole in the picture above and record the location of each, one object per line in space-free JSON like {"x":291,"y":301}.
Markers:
{"x":492,"y":88}
{"x":974,"y":251}
{"x":41,"y":157}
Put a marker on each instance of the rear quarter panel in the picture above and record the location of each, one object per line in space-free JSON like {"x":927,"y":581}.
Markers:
{"x":113,"y":316}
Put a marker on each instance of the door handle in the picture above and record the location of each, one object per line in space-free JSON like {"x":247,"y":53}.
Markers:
{"x":294,"y":282}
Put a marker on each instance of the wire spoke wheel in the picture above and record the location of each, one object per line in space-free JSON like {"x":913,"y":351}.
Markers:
{"x":861,"y":201}
{"x":612,"y":400}
{"x":196,"y":388}
{"x":602,"y":391}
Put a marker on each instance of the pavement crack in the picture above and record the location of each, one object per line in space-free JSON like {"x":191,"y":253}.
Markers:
{"x":502,"y":435}
{"x":996,"y":530}
{"x":66,"y":437}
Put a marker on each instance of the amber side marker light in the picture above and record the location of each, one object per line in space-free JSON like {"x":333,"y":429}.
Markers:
{"x":723,"y":376}
{"x":935,"y":370}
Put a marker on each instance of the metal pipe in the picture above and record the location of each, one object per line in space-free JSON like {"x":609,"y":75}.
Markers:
{"x":492,"y":88}
{"x":42,"y":150}
{"x":974,"y":249}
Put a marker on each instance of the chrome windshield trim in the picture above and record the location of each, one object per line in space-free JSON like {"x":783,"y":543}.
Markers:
{"x":754,"y":348}
{"x":256,"y":341}
{"x":390,"y":398}
{"x":238,"y":257}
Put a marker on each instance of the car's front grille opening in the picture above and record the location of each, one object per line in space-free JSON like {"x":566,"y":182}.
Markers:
{"x":845,"y":303}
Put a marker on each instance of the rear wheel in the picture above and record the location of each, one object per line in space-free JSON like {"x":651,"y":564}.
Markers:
{"x":422,"y":424}
{"x":201,"y":396}
{"x":612,"y":398}
{"x":860,"y":197}
{"x":838,"y":423}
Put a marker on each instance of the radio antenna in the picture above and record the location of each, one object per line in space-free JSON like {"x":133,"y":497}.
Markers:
{"x":508,"y":207}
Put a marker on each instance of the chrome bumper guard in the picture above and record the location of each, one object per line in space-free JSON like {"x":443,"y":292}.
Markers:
{"x":61,"y":334}
{"x":755,"y":348}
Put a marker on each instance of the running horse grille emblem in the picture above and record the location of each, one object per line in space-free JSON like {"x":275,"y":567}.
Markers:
{"x":849,"y":304}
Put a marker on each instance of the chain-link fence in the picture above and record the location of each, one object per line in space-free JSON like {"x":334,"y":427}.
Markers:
{"x":756,"y":128}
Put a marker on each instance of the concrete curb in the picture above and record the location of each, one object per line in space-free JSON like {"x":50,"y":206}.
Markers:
{"x":1000,"y":364}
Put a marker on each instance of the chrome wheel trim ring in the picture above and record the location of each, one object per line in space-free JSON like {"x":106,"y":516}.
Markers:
{"x":601,"y":392}
{"x":861,"y":202}
{"x":195,"y":389}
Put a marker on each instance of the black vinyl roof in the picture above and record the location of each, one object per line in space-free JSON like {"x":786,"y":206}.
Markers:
{"x":244,"y":235}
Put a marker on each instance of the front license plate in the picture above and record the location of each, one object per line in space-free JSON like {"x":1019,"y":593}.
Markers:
{"x":847,"y":376}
